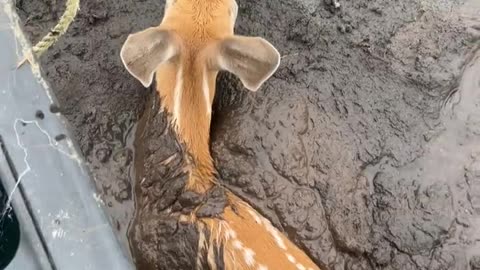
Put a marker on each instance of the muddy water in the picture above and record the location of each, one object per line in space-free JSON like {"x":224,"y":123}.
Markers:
{"x":363,"y":147}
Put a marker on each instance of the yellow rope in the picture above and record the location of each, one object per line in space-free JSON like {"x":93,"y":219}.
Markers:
{"x":47,"y":41}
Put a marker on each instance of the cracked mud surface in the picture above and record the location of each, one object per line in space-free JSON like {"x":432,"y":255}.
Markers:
{"x":363,"y":147}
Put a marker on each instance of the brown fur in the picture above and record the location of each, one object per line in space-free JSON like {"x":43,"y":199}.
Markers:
{"x":200,"y":28}
{"x":252,"y":232}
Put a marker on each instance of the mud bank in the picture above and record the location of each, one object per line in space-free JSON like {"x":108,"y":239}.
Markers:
{"x":363,"y":147}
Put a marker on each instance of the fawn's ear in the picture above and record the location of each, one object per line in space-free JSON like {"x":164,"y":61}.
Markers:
{"x":252,"y":59}
{"x":144,"y":51}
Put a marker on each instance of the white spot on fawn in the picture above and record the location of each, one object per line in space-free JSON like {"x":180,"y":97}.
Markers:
{"x":206,"y":93}
{"x":262,"y":267}
{"x":237,"y":244}
{"x":255,"y":216}
{"x":291,"y":258}
{"x":177,"y":101}
{"x":231,"y":234}
{"x":248,"y":255}
{"x":276,"y":235}
{"x":300,"y":266}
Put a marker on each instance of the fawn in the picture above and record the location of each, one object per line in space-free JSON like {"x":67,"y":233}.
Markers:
{"x":194,"y":41}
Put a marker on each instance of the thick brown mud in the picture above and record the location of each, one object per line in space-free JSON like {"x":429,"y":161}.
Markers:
{"x":363,"y":148}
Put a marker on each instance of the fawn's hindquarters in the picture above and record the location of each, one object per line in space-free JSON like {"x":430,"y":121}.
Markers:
{"x":247,"y":240}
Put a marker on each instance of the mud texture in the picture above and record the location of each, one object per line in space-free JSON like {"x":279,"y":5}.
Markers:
{"x":158,"y":239}
{"x":363,"y":147}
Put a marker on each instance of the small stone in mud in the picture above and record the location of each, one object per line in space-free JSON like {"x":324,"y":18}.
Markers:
{"x":124,"y":195}
{"x":54,"y":108}
{"x":123,"y":156}
{"x":377,"y":10}
{"x":475,"y":262}
{"x":348,"y":28}
{"x":60,"y":137}
{"x":336,"y":4}
{"x":344,"y":28}
{"x":103,"y":154}
{"x":333,"y":3}
{"x":98,"y":16}
{"x":39,"y":114}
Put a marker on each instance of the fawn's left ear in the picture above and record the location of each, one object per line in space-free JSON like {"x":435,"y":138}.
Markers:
{"x":252,"y":59}
{"x":144,"y":51}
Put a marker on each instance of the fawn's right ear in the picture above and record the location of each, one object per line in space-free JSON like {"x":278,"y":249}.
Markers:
{"x":252,"y":59}
{"x":144,"y":51}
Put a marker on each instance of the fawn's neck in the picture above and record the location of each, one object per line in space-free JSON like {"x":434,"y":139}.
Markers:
{"x":187,"y":91}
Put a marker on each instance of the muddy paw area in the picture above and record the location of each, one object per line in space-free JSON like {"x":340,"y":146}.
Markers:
{"x":363,"y":148}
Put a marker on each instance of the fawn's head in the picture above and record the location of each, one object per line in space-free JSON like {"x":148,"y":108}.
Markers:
{"x":194,"y":41}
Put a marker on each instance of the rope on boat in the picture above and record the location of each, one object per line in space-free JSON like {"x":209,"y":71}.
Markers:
{"x":71,"y":9}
